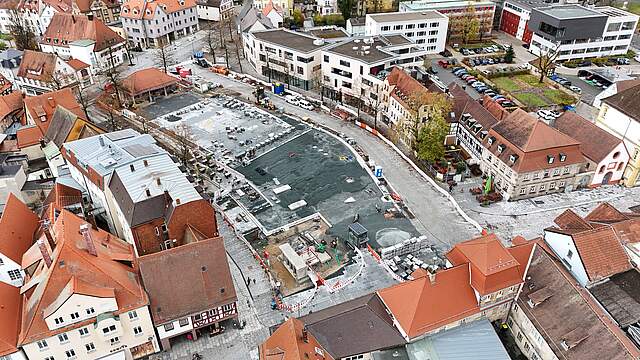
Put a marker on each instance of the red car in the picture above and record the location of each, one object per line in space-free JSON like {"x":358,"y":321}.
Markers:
{"x":443,"y":63}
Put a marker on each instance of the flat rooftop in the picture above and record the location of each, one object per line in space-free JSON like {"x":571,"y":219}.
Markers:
{"x":443,"y":4}
{"x":364,"y":49}
{"x":394,"y":40}
{"x":569,"y":12}
{"x":290,"y":39}
{"x":406,"y":16}
{"x":614,"y":12}
{"x":329,"y":33}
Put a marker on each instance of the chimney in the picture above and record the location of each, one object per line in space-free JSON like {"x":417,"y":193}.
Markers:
{"x":101,"y":139}
{"x":432,"y":277}
{"x":90,"y":17}
{"x":305,"y":334}
{"x":148,"y":192}
{"x":73,"y":18}
{"x":86,"y":234}
{"x":45,"y":253}
{"x":51,"y":102}
{"x":177,"y":201}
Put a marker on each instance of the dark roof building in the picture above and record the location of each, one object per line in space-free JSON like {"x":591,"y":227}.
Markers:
{"x":595,"y":142}
{"x":626,"y":101}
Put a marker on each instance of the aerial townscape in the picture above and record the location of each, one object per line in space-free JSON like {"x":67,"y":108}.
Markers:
{"x":319,"y":180}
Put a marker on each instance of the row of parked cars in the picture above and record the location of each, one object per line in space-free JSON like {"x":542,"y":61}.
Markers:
{"x":299,"y":101}
{"x":566,"y":83}
{"x":593,"y":80}
{"x":486,"y":61}
{"x":481,"y":87}
{"x":548,"y":115}
{"x":484,"y":50}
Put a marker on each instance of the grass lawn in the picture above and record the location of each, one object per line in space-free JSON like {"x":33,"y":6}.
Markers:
{"x":505,"y":83}
{"x":531,"y":100}
{"x":559,"y":97}
{"x":530,"y":80}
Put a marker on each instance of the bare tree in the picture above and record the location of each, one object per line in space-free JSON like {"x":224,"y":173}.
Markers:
{"x":114,"y":77}
{"x":113,"y":121}
{"x":546,"y":60}
{"x":164,"y":55}
{"x":224,"y":45}
{"x":23,"y":35}
{"x":375,"y":103}
{"x":183,"y":137}
{"x":84,"y":102}
{"x":210,"y":40}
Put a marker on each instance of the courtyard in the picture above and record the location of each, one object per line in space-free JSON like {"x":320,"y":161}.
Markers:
{"x":531,"y":93}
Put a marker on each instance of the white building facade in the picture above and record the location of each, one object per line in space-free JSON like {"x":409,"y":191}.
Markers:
{"x":427,"y":29}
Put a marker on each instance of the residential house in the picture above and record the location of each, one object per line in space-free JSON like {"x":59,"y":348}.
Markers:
{"x":356,"y":26}
{"x":137,"y":189}
{"x":428,"y":28}
{"x":606,"y":155}
{"x":147,"y":84}
{"x":274,"y":13}
{"x":578,"y":32}
{"x":29,"y":14}
{"x":6,"y":9}
{"x":292,"y":341}
{"x":353,"y":70}
{"x":553,"y":318}
{"x":400,"y":112}
{"x":41,"y":72}
{"x":10,"y":63}
{"x":591,"y":253}
{"x":83,"y":297}
{"x":11,"y":112}
{"x":202,"y":306}
{"x":459,"y":13}
{"x":620,"y":115}
{"x":6,"y":86}
{"x":47,"y":9}
{"x":525,"y":157}
{"x":107,"y":11}
{"x":614,"y":88}
{"x":18,"y":226}
{"x":215,"y":10}
{"x":158,"y":23}
{"x":285,"y":5}
{"x":286,"y":56}
{"x":85,"y":38}
{"x":12,"y":179}
{"x":472,"y":123}
{"x":250,"y":19}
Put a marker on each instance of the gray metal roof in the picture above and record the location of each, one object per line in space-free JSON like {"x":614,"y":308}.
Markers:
{"x":113,"y":154}
{"x":475,"y":341}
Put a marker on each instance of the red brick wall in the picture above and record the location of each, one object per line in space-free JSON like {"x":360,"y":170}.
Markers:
{"x":199,"y":214}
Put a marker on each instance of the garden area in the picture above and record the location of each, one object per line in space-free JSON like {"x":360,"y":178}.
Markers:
{"x":531,"y":93}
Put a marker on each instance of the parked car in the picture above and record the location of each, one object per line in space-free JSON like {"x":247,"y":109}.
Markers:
{"x":547,"y":115}
{"x":445,"y":53}
{"x":575,"y":89}
{"x":292,"y":99}
{"x":623,"y":61}
{"x":305,"y":104}
{"x":443,"y":63}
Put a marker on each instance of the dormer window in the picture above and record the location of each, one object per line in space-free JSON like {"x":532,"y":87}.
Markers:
{"x":501,"y":148}
{"x":513,"y":158}
{"x":563,"y":157}
{"x":471,"y":121}
{"x":126,"y":11}
{"x":539,"y":296}
{"x":466,"y":116}
{"x":483,"y":134}
{"x":550,"y":159}
{"x":491,"y":140}
{"x":477,"y":127}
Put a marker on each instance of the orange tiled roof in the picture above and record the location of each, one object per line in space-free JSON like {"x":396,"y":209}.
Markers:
{"x":67,"y":28}
{"x":11,"y":103}
{"x":9,"y":318}
{"x":77,"y":64}
{"x":271,"y":6}
{"x":135,"y":9}
{"x":45,"y":105}
{"x":147,"y":80}
{"x":606,"y":213}
{"x":18,"y":226}
{"x":492,"y":266}
{"x":423,"y":304}
{"x":37,"y":65}
{"x":28,"y":136}
{"x":286,"y":343}
{"x":71,"y":260}
{"x":569,"y":220}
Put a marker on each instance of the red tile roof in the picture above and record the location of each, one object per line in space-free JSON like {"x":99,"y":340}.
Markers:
{"x":606,"y":213}
{"x":531,"y":140}
{"x":147,"y":80}
{"x":28,"y":136}
{"x":77,"y":64}
{"x":11,"y":103}
{"x":37,"y":65}
{"x":569,"y":220}
{"x":72,"y":260}
{"x":67,"y":28}
{"x":18,"y":226}
{"x":45,"y":105}
{"x":492,"y":267}
{"x":595,"y":143}
{"x":135,"y":9}
{"x":403,"y":85}
{"x":62,"y":195}
{"x":9,"y":318}
{"x":287,"y":343}
{"x":271,"y":6}
{"x":425,"y":304}
{"x":494,"y":108}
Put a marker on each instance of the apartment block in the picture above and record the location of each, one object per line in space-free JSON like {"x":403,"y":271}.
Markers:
{"x":427,"y":28}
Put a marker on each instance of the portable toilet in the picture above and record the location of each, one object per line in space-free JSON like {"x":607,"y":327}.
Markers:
{"x":358,"y":235}
{"x":278,"y":88}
